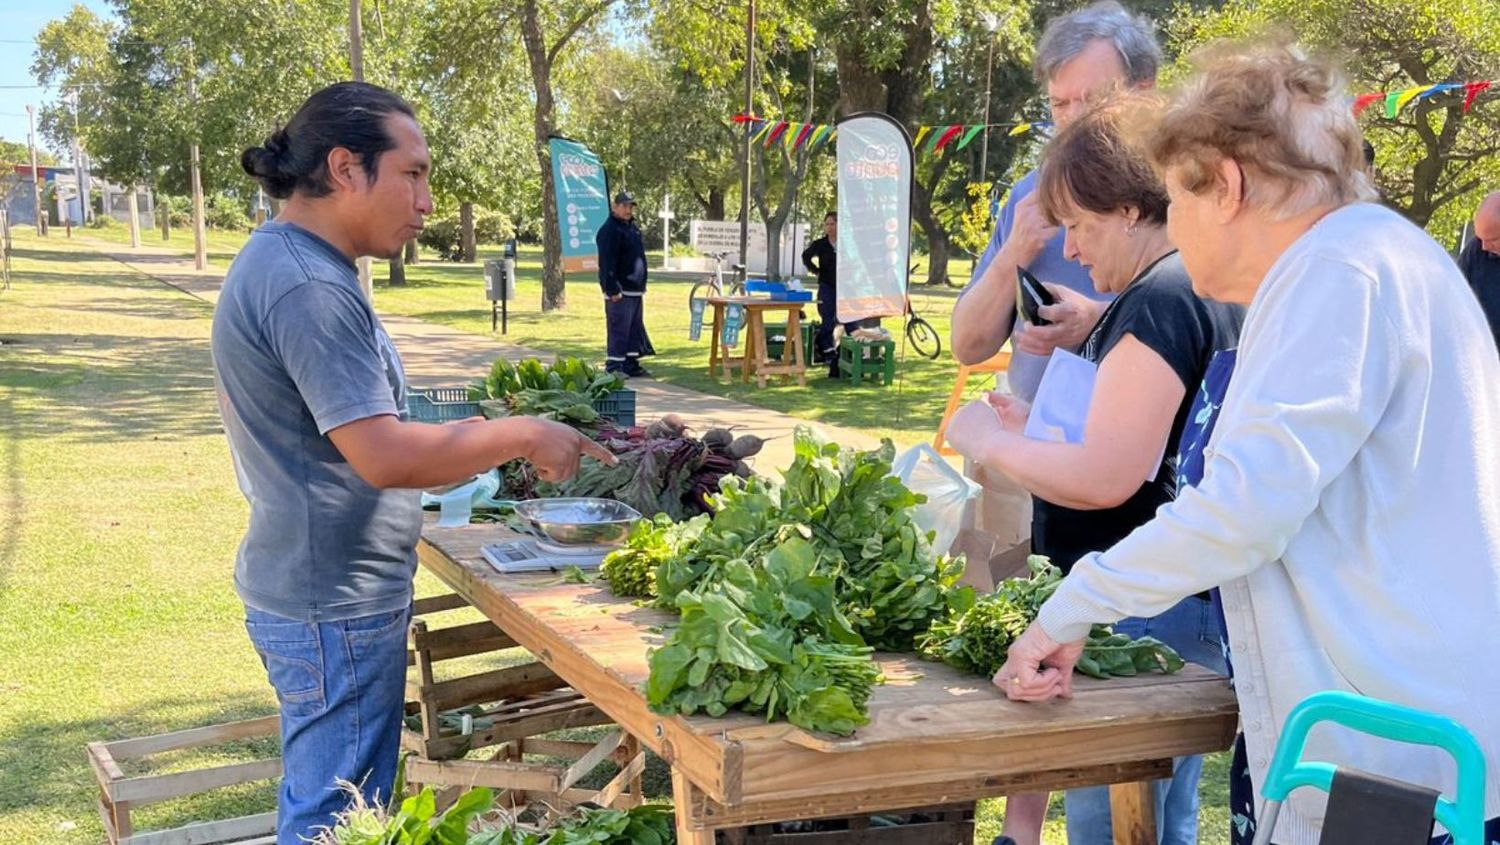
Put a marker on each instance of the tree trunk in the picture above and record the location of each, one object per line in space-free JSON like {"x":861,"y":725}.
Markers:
{"x":466,"y":231}
{"x":164,"y":216}
{"x":412,"y":256}
{"x":939,"y":242}
{"x":715,"y":203}
{"x":397,"y":272}
{"x":554,"y":294}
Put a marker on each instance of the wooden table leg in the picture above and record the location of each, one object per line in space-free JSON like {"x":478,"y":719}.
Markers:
{"x":755,"y":346}
{"x":713,"y":339}
{"x":1132,"y":808}
{"x":682,"y":793}
{"x":794,"y":343}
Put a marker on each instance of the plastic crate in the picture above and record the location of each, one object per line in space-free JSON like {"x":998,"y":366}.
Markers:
{"x":774,"y":347}
{"x":777,"y":291}
{"x":440,"y":404}
{"x":445,"y":404}
{"x":618,"y":407}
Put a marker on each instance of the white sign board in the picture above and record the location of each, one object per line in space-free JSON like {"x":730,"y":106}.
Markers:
{"x":707,"y":236}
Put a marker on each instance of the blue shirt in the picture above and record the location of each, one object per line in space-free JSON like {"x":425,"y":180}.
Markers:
{"x":1026,"y":370}
{"x":298,"y":352}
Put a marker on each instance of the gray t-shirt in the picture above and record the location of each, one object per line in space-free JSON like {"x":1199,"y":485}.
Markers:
{"x":297,"y":353}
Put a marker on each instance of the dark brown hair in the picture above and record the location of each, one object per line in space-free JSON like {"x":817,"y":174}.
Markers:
{"x":1094,"y":165}
{"x":347,"y":114}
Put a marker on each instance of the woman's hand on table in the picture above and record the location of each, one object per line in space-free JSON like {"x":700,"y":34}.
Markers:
{"x":1038,"y":668}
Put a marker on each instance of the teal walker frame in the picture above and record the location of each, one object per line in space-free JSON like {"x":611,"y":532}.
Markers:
{"x":1462,"y":815}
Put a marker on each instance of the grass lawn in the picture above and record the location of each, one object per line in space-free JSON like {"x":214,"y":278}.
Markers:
{"x":119,"y":519}
{"x":453,"y":294}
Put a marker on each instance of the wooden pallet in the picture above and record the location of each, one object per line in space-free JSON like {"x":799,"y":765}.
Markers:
{"x":119,"y":795}
{"x":947,"y":825}
{"x":520,"y":704}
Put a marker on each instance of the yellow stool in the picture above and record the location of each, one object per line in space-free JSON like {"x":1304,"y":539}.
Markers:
{"x":998,"y":364}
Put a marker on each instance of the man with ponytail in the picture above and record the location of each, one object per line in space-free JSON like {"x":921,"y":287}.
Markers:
{"x":313,"y":399}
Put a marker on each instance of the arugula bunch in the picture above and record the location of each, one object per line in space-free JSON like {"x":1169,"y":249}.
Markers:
{"x":631,"y":569}
{"x":979,"y":632}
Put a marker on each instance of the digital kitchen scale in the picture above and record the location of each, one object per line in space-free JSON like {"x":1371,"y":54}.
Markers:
{"x":528,"y":555}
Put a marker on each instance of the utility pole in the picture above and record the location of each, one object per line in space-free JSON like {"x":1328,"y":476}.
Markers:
{"x":989,"y":69}
{"x":36,"y":175}
{"x":745,"y":149}
{"x":357,"y":68}
{"x":200,"y":248}
{"x":80,"y":169}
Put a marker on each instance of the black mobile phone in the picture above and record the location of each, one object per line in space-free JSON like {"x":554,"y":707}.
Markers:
{"x":1031,"y":295}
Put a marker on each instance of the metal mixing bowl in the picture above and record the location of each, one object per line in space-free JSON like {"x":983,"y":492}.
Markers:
{"x":579,"y":522}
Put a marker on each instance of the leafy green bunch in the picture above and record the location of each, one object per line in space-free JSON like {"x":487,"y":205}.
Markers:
{"x":891,"y":582}
{"x":768,"y":639}
{"x":978,"y":633}
{"x":631,"y":569}
{"x":564,"y":391}
{"x":416,"y":821}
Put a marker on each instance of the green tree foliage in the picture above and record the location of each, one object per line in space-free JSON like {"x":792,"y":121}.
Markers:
{"x":1433,"y":162}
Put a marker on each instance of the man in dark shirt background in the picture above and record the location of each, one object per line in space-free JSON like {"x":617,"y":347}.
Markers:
{"x":622,"y":275}
{"x":1480,"y":260}
{"x":820,"y":258}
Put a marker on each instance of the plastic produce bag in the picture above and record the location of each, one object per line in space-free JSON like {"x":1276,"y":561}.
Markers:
{"x":457,"y":504}
{"x":948,"y":492}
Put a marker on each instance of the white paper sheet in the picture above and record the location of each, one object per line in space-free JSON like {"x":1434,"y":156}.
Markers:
{"x":1061,"y":408}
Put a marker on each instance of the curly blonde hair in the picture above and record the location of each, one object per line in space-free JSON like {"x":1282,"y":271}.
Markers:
{"x":1282,"y":116}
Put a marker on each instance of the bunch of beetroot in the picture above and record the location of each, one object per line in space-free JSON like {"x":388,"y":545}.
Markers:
{"x":662,"y":468}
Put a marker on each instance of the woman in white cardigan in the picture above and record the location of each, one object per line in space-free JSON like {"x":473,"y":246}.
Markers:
{"x":1350,"y":502}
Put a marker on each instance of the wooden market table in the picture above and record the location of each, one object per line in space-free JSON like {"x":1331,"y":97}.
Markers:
{"x":936,"y":736}
{"x":756,"y":360}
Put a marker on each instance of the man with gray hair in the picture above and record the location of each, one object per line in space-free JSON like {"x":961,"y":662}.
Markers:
{"x":1480,"y":260}
{"x":1080,"y":57}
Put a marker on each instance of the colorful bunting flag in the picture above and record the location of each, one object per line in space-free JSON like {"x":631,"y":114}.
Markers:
{"x":969,"y":135}
{"x":921,"y":133}
{"x":1363,"y":101}
{"x":802,"y":136}
{"x":776,"y":133}
{"x":948,"y":135}
{"x":1471,"y":91}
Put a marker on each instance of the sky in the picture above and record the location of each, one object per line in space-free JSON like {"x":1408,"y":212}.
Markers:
{"x":20,"y":21}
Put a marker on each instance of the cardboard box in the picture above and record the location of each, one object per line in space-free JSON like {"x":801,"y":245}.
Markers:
{"x":996,"y":535}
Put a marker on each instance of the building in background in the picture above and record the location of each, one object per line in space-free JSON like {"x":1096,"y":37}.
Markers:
{"x":61,"y":197}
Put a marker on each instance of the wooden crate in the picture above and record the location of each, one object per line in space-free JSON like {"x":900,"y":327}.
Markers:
{"x":520,"y":703}
{"x":946,"y":825}
{"x":118,"y":794}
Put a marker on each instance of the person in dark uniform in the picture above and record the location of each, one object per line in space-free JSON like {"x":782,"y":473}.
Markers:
{"x":821,"y":258}
{"x":622,"y":275}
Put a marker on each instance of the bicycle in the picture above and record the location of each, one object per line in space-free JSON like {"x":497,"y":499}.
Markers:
{"x":715,"y":285}
{"x":921,"y":335}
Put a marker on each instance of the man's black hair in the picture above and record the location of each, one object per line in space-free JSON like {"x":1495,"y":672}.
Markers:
{"x":351,"y":115}
{"x":832,"y":214}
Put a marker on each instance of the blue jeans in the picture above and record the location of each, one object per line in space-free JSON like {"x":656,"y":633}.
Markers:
{"x":341,"y":687}
{"x":1191,"y":628}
